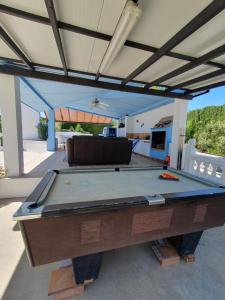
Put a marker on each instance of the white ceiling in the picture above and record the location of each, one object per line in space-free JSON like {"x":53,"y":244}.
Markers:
{"x":78,"y":97}
{"x":160,"y":20}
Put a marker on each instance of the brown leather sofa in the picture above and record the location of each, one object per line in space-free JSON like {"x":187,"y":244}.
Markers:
{"x":91,"y":150}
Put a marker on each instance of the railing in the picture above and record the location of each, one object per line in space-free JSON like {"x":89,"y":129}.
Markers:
{"x":208,"y":166}
{"x":62,"y":136}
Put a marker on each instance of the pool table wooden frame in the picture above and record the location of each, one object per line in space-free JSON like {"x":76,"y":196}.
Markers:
{"x":56,"y":232}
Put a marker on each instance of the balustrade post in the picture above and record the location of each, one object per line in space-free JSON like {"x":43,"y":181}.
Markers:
{"x":189,"y":150}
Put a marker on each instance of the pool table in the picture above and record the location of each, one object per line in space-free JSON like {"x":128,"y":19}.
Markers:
{"x":80,"y":213}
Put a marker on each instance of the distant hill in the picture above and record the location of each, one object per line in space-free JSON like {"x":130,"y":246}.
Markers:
{"x":207,"y":126}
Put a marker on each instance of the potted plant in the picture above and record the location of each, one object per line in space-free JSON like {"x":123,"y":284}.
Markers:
{"x":42,"y":131}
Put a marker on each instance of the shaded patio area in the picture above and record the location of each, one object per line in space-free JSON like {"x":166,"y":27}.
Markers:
{"x":37,"y":161}
{"x":118,"y":60}
{"x":127,"y":273}
{"x":58,"y":161}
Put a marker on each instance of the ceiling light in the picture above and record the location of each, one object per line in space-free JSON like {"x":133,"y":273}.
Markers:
{"x":128,"y":19}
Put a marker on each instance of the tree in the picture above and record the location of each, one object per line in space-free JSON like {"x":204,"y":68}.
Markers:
{"x":207,"y":126}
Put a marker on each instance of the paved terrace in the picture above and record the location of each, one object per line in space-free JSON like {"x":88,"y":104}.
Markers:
{"x":37,"y":160}
{"x":57,"y":160}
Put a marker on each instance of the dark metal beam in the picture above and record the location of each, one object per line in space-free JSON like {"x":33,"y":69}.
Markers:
{"x":11,"y":60}
{"x":52,"y":17}
{"x":11,"y":44}
{"x":202,"y":18}
{"x":36,"y":92}
{"x":191,"y":65}
{"x":88,"y":82}
{"x":200,"y":94}
{"x":208,"y":87}
{"x":169,"y":53}
{"x":37,"y":65}
{"x":84,"y":31}
{"x":197,"y":79}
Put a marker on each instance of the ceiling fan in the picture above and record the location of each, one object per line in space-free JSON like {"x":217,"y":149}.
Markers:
{"x":98,"y":104}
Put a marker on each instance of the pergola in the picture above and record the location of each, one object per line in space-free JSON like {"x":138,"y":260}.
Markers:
{"x":176,"y":50}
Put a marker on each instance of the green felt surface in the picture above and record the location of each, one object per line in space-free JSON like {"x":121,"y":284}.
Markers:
{"x":78,"y":187}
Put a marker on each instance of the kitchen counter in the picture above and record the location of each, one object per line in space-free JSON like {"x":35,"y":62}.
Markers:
{"x":142,"y":147}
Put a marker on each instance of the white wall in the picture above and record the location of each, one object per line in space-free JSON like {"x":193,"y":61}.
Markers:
{"x":149,"y":119}
{"x":30,"y":119}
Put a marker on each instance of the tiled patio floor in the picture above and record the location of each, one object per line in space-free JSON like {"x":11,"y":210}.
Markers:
{"x":37,"y":160}
{"x":57,"y":160}
{"x":129,"y":273}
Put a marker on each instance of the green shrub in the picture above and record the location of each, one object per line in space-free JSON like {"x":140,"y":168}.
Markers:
{"x":42,"y":131}
{"x":207,"y":126}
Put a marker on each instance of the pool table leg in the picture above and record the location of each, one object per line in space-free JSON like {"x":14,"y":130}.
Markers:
{"x":186,"y":244}
{"x":87,"y":267}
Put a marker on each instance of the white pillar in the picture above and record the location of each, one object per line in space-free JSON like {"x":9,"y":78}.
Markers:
{"x":51,"y":144}
{"x":179,"y":128}
{"x":129,"y":124}
{"x":11,"y":124}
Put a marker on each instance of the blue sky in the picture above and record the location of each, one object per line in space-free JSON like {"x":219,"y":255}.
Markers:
{"x":214,"y":97}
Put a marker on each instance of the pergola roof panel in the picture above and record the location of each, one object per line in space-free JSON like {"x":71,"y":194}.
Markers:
{"x":172,"y":42}
{"x":5,"y":51}
{"x":82,"y":51}
{"x":163,"y":66}
{"x":220,"y":59}
{"x":94,"y":14}
{"x":193,"y":73}
{"x":122,"y":66}
{"x":109,"y":20}
{"x":85,"y":13}
{"x":206,"y":82}
{"x":36,"y":40}
{"x":98,"y":50}
{"x":162,"y":19}
{"x":28,"y":6}
{"x":205,"y":39}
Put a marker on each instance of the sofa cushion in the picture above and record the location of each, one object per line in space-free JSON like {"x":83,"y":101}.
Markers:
{"x":88,"y":151}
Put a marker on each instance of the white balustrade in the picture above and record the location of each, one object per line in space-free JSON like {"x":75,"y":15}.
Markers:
{"x":204,"y":165}
{"x":62,"y":136}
